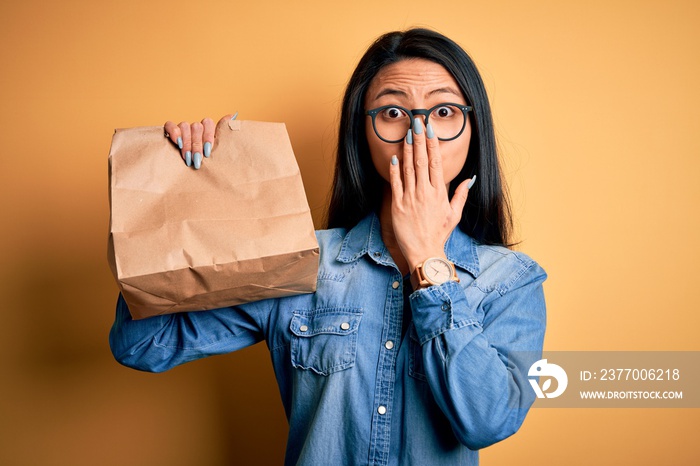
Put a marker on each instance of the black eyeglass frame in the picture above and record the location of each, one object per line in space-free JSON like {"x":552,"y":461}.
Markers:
{"x":418,"y":111}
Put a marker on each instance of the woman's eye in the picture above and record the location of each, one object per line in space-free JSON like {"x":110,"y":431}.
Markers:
{"x":444,"y":112}
{"x":393,"y":113}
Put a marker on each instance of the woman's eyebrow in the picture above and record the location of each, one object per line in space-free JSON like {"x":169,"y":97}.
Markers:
{"x":444,"y":90}
{"x":400,"y":93}
{"x":390,"y":91}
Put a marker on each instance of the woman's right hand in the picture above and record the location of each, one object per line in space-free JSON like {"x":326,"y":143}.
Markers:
{"x":193,"y":139}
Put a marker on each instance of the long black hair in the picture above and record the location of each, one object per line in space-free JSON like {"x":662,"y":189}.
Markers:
{"x":357,"y":187}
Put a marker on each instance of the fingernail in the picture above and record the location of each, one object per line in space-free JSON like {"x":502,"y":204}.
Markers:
{"x":197,"y":160}
{"x":417,"y":126}
{"x":429,"y":131}
{"x":471,"y":182}
{"x":394,"y":160}
{"x":234,"y":116}
{"x":207,"y":149}
{"x":188,"y":158}
{"x":179,"y":143}
{"x":409,"y":137}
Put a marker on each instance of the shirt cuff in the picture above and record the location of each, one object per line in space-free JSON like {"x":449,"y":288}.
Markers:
{"x":437,"y":309}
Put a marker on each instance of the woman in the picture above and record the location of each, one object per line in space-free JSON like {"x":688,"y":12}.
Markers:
{"x":401,"y":355}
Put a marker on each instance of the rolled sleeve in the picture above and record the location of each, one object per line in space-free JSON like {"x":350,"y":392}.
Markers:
{"x":440,"y":308}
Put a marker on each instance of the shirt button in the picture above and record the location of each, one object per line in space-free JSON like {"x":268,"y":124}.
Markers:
{"x":395,"y":285}
{"x":389,"y":344}
{"x":381,"y":410}
{"x":345,"y":326}
{"x":445,"y":307}
{"x":377,"y":254}
{"x":303,"y":328}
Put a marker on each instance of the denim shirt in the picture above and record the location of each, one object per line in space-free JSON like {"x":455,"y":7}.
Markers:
{"x":365,"y":379}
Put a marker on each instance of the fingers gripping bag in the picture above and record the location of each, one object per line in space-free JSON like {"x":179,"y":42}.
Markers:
{"x":237,"y":230}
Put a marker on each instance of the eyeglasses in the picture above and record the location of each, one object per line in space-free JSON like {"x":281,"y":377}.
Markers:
{"x":392,"y":122}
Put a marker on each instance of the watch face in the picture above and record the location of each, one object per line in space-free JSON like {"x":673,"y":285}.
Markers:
{"x":437,"y":271}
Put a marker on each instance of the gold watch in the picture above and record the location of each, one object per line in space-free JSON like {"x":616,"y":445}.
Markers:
{"x":433,"y":271}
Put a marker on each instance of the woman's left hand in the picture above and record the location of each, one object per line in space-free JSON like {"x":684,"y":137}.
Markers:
{"x":422,"y":214}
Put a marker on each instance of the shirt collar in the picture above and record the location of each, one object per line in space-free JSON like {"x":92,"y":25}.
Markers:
{"x":461,"y":250}
{"x":366,"y":238}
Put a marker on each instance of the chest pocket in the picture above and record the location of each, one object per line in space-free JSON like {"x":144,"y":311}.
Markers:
{"x":324,"y":340}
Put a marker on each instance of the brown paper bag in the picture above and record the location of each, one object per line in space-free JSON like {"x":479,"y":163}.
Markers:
{"x":237,"y":230}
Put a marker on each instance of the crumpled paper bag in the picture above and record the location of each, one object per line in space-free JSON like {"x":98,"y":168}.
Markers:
{"x":237,"y":230}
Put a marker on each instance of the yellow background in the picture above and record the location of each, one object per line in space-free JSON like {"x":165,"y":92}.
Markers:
{"x":597,"y":110}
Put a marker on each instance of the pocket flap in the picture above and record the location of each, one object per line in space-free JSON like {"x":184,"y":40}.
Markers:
{"x":331,"y":321}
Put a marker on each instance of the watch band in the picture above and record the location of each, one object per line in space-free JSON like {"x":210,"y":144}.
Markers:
{"x":417,"y":279}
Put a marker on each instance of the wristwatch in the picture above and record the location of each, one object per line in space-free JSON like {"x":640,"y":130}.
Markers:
{"x":433,"y":271}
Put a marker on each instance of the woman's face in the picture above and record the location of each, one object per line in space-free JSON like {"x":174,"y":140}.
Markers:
{"x":415,"y":83}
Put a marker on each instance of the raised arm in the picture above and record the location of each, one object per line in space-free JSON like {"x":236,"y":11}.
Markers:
{"x":159,"y":343}
{"x":477,"y":347}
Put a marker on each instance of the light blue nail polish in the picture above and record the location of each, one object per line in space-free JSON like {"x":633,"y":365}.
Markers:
{"x":394,"y":160}
{"x":207,"y":149}
{"x":429,"y":131}
{"x":188,"y":158}
{"x":197,"y":160}
{"x":179,"y":143}
{"x":409,"y":137}
{"x":417,"y":126}
{"x":234,"y":116}
{"x":471,"y":182}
